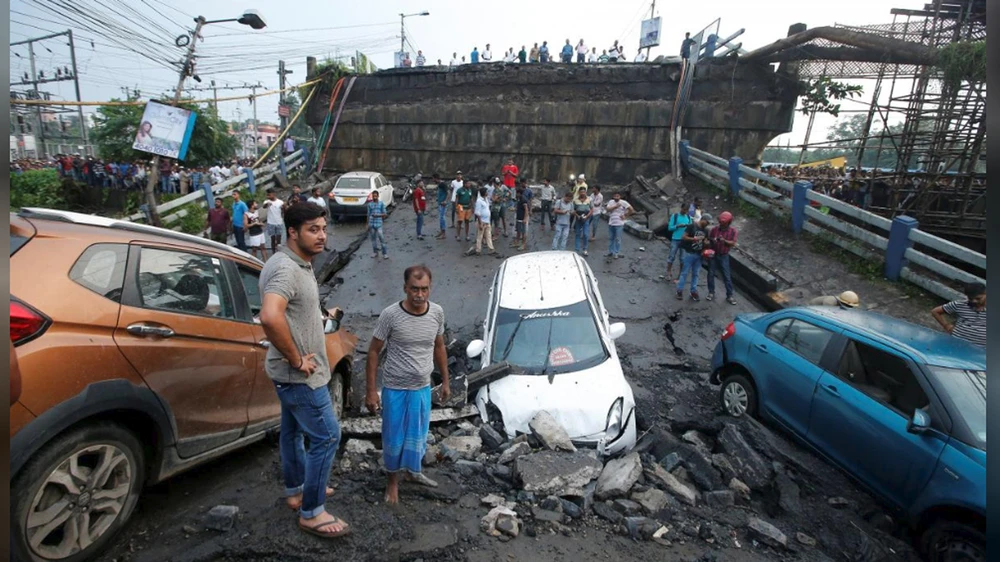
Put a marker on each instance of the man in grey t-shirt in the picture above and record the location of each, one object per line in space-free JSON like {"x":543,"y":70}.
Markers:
{"x":412,"y":333}
{"x":563,"y":211}
{"x":292,"y":319}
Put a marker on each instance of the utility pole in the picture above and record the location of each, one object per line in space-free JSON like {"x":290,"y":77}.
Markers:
{"x":154,"y":174}
{"x":281,"y":85}
{"x":402,"y":34}
{"x":651,"y":9}
{"x":76,"y":85}
{"x":256,"y":146}
{"x":215,"y":97}
{"x":40,"y":143}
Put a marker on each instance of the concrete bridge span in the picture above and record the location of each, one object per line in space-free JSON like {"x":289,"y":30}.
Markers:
{"x":610,"y":121}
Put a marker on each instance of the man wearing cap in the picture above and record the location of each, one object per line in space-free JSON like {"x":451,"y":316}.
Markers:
{"x":456,"y":184}
{"x":692,"y":245}
{"x":722,"y":239}
{"x":847,"y":299}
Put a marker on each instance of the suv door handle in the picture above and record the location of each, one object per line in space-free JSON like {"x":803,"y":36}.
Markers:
{"x":830,"y":389}
{"x":761,"y":347}
{"x":144,"y":330}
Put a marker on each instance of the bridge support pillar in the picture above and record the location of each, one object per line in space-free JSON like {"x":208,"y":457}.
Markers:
{"x":799,"y":204}
{"x":250,"y":181}
{"x":899,"y":242}
{"x":734,"y":175}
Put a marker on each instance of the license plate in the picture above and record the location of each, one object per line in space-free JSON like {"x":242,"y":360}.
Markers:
{"x":350,"y":199}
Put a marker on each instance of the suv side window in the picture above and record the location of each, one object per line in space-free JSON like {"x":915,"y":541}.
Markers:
{"x":101,"y":269}
{"x":184,"y":282}
{"x":803,"y":338}
{"x":883,"y":377}
{"x":251,"y":285}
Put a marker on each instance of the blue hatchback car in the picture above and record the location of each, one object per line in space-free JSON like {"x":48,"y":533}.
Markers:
{"x":899,"y":407}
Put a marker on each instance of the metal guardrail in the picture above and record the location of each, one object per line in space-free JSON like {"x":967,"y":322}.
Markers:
{"x":892,"y":241}
{"x":260,"y":178}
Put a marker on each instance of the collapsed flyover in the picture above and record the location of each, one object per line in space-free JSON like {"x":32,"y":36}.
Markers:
{"x":610,"y":121}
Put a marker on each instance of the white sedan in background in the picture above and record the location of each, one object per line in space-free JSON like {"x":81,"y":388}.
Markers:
{"x":545,"y":317}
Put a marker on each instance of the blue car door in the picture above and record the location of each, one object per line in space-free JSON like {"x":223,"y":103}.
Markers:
{"x":860,"y":416}
{"x":785,"y":361}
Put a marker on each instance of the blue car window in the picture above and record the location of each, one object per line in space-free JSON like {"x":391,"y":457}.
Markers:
{"x":803,"y":338}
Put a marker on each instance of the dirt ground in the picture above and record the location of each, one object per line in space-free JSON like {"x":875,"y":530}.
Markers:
{"x":807,"y":496}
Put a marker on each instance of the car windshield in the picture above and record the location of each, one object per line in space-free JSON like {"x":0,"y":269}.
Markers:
{"x":549,"y":341}
{"x":967,"y":389}
{"x":353,"y":183}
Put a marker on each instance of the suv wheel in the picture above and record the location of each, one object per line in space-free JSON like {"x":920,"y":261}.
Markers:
{"x":76,"y":494}
{"x":738,"y":396}
{"x":947,"y":541}
{"x":336,"y":387}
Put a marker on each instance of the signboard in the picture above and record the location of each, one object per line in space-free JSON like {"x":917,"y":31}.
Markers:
{"x":165,"y":130}
{"x":398,"y":57}
{"x":649,"y":35}
{"x":284,"y":111}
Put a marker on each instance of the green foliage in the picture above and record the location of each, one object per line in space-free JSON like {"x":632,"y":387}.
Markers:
{"x":819,"y":94}
{"x":37,"y":188}
{"x":116,"y":127}
{"x":330,"y":71}
{"x":194,"y":221}
{"x":848,"y":133}
{"x":962,"y":61}
{"x":300,"y":129}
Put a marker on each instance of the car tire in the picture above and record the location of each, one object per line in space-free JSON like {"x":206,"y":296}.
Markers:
{"x":945,"y":541}
{"x":738,"y":396}
{"x":107,"y":458}
{"x":337,"y":395}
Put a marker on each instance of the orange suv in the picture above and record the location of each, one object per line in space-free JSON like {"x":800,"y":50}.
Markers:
{"x":140,"y":356}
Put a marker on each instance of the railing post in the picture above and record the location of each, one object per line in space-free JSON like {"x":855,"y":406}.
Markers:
{"x":209,"y":195}
{"x":685,"y":155}
{"x":282,"y":166}
{"x":799,"y":204}
{"x":734,"y":175}
{"x":899,"y":242}
{"x":251,"y":183}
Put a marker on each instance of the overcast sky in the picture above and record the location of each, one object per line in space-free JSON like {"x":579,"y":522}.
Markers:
{"x":234,"y":55}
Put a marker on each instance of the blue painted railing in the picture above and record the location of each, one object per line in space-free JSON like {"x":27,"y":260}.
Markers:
{"x":895,"y":241}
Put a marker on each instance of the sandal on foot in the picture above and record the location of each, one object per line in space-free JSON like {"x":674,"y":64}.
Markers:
{"x":318,"y":530}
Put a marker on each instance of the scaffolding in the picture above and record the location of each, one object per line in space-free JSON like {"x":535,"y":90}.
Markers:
{"x":939,"y":177}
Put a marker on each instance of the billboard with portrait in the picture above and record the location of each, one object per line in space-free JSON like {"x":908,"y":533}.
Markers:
{"x":649,"y":36}
{"x":165,"y":130}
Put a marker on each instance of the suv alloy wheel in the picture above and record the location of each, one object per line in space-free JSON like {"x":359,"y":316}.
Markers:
{"x":76,"y":494}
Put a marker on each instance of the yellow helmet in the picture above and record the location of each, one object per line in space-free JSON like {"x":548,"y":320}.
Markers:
{"x":848,"y":299}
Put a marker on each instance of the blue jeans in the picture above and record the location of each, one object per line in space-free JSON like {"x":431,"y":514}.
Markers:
{"x":239,"y":233}
{"x":720,"y":262}
{"x":442,"y":211}
{"x":305,"y":411}
{"x":615,"y":239}
{"x":376,"y":235}
{"x":164,"y":184}
{"x":582,"y":234}
{"x":560,"y":237}
{"x":420,"y":224}
{"x":675,"y":252}
{"x":690,"y":263}
{"x":594,"y":221}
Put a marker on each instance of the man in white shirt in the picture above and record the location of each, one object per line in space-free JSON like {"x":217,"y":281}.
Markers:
{"x":592,"y":57}
{"x":597,"y":208}
{"x":486,"y":55}
{"x":317,"y":199}
{"x":421,"y":60}
{"x":581,"y":52}
{"x":641,"y":57}
{"x":547,"y":195}
{"x":275,"y":218}
{"x":613,"y":52}
{"x":456,"y":184}
{"x":510,"y":56}
{"x":454,"y":60}
{"x":483,"y":226}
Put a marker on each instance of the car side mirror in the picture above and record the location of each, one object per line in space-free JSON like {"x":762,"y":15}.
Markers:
{"x":331,"y":325}
{"x":475,"y":348}
{"x":617,"y":330}
{"x":919,"y":423}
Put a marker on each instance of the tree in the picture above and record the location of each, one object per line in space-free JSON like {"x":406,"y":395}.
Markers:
{"x":849,"y":134}
{"x":116,"y":126}
{"x":818,"y":95}
{"x":300,"y":129}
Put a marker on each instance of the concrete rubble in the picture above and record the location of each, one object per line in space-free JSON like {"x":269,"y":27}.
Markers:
{"x":550,"y":433}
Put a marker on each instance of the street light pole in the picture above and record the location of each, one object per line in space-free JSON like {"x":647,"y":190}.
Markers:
{"x":154,"y":173}
{"x":402,"y":29}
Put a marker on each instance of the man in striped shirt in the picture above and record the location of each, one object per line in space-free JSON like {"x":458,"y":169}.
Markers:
{"x":970,"y":315}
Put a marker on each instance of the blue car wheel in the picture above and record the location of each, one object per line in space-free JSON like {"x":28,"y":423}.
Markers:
{"x":738,"y":396}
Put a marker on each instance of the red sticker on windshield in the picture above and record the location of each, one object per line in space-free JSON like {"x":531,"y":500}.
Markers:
{"x":560,"y":356}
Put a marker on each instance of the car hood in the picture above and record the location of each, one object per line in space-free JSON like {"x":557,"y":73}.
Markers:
{"x":579,"y":401}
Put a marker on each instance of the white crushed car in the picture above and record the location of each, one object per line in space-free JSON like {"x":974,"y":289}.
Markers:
{"x":546,"y":318}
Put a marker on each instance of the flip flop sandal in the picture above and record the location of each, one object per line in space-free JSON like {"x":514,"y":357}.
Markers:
{"x":317,"y":530}
{"x":295,"y":507}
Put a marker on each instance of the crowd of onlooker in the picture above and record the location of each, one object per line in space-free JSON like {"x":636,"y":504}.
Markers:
{"x":128,"y":175}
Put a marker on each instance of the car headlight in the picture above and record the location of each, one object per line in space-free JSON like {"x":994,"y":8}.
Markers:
{"x":614,"y":425}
